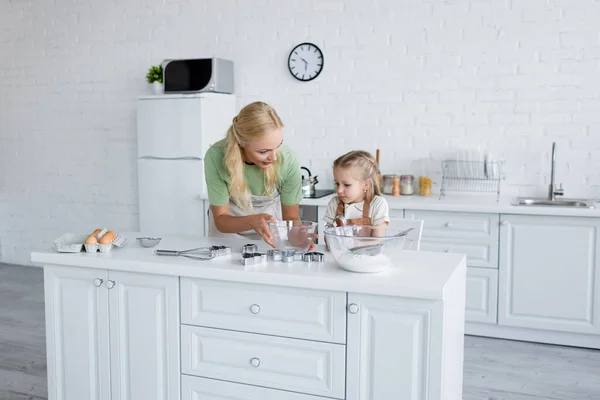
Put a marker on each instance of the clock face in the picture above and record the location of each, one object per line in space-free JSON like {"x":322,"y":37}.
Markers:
{"x":305,"y":62}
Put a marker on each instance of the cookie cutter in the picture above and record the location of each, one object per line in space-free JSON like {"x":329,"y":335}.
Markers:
{"x":253,"y":258}
{"x":313,"y":256}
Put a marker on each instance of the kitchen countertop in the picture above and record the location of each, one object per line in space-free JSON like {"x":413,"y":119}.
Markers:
{"x":470,"y":203}
{"x":420,"y":275}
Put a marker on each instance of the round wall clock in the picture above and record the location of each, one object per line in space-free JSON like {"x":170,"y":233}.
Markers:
{"x":305,"y":62}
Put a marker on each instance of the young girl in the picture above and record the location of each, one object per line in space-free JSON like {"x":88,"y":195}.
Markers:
{"x":358,"y":197}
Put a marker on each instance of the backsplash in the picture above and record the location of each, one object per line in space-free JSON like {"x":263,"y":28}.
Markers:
{"x":417,"y":79}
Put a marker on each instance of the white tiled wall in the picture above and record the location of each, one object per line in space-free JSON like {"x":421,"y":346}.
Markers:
{"x":415,"y":78}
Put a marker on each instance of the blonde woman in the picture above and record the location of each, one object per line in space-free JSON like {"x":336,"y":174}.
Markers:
{"x":251,"y":176}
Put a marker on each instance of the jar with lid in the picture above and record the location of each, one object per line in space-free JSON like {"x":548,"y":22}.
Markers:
{"x":407,"y":185}
{"x":388,"y":184}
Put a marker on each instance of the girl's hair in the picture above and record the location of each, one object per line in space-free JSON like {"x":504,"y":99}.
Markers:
{"x":364,"y":162}
{"x":252,"y":123}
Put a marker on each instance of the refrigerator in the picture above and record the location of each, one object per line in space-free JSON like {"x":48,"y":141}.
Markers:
{"x":173,"y":134}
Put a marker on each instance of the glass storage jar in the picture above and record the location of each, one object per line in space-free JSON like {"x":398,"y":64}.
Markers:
{"x":388,"y":184}
{"x":407,"y":185}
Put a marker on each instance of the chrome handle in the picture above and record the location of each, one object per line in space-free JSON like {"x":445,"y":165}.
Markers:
{"x":110,"y":284}
{"x":448,"y":224}
{"x":254,"y":308}
{"x":352,"y":308}
{"x":255,"y":362}
{"x":98,"y":282}
{"x":504,"y":223}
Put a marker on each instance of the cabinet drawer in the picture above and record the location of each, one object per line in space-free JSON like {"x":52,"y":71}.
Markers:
{"x":482,"y":295}
{"x":281,"y":311}
{"x":478,"y":254}
{"x":289,"y":364}
{"x":195,"y":388}
{"x":456,"y":224}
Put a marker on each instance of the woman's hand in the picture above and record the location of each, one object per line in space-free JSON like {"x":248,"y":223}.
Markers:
{"x":259,"y":222}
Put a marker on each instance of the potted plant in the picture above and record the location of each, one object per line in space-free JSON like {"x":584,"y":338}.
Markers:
{"x":155,"y":78}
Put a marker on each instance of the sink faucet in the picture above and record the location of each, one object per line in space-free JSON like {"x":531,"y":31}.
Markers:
{"x":552,"y":190}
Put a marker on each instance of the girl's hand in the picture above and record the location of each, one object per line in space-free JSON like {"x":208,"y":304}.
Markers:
{"x":259,"y":222}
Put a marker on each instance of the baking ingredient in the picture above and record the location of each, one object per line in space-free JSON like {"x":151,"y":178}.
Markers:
{"x":96,"y":232}
{"x":425,"y":186}
{"x":363,"y":263}
{"x":91,"y":239}
{"x":108,"y":237}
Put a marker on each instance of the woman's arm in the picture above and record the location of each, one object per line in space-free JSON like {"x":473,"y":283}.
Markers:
{"x":226,"y":223}
{"x":290,"y":213}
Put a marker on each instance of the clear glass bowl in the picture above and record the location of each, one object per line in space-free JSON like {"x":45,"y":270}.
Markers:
{"x":364,"y":249}
{"x":294,"y":236}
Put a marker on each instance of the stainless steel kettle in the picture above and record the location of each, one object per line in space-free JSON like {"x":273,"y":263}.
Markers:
{"x":308,"y":183}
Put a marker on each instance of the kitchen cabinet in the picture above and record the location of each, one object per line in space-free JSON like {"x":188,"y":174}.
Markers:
{"x":111,"y":335}
{"x":549,"y":275}
{"x":393,"y":348}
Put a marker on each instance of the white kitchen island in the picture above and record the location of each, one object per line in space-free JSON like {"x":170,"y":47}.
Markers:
{"x":131,"y":325}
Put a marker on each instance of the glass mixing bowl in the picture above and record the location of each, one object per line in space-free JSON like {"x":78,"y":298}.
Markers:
{"x":295,"y":236}
{"x":365,"y":249}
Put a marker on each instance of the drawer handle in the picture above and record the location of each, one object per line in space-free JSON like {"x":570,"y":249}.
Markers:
{"x":254,"y":308}
{"x":110,"y":284}
{"x":98,"y":282}
{"x":255,"y":362}
{"x":352,"y":308}
{"x":504,"y":222}
{"x":448,"y":224}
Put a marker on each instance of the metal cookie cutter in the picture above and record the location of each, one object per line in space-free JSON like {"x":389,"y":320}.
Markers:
{"x":274,"y":255}
{"x":253,"y":258}
{"x":199,"y":253}
{"x":221,"y":250}
{"x":313,"y":256}
{"x":249,"y":249}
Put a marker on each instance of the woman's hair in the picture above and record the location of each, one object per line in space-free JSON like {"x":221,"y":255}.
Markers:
{"x":365,"y":164}
{"x":252,"y":123}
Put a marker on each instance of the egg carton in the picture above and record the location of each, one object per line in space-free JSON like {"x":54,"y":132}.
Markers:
{"x":74,"y":243}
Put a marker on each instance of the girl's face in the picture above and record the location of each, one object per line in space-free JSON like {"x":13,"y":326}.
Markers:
{"x":348,"y":188}
{"x":263,"y":152}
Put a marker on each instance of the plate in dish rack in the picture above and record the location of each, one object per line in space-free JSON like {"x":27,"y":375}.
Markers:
{"x":73,"y":242}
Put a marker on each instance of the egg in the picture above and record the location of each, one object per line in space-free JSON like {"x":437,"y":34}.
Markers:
{"x":96,"y":232}
{"x":108,"y":237}
{"x":91,"y":239}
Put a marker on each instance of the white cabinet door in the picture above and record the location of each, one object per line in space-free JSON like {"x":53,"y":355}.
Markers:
{"x":144,"y":333}
{"x":482,"y":295}
{"x":77,"y":333}
{"x":549,"y":277}
{"x":389,"y":348}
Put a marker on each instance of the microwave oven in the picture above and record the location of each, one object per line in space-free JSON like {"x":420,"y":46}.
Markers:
{"x":198,"y":75}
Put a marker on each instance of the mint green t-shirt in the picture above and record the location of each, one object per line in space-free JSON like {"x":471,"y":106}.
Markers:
{"x":218,"y":179}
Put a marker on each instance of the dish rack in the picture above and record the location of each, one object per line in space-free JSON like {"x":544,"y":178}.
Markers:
{"x":471,"y":176}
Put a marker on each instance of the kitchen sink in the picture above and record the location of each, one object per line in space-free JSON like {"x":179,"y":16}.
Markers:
{"x":541,"y":201}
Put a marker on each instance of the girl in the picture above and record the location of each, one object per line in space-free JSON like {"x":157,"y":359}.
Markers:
{"x":358,"y":198}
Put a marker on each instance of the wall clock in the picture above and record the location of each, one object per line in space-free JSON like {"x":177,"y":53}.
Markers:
{"x":305,"y":62}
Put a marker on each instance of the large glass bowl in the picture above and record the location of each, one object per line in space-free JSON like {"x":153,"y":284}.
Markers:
{"x":366,"y":249}
{"x":295,"y":236}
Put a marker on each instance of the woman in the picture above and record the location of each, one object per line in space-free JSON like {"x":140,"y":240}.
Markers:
{"x":251,"y":176}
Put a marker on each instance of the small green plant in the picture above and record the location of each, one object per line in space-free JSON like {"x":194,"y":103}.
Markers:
{"x":155,"y":74}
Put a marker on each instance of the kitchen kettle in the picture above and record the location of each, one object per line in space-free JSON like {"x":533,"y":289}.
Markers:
{"x":308,"y":183}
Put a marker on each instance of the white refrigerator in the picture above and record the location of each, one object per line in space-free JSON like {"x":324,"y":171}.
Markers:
{"x":173,"y":134}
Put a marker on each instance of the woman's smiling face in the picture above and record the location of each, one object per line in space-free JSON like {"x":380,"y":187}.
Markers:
{"x":263,"y":152}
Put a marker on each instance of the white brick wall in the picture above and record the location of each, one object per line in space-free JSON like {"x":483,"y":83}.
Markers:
{"x":416,"y":78}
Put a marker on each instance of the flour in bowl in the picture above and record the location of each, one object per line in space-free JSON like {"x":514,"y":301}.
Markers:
{"x":363,"y":262}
